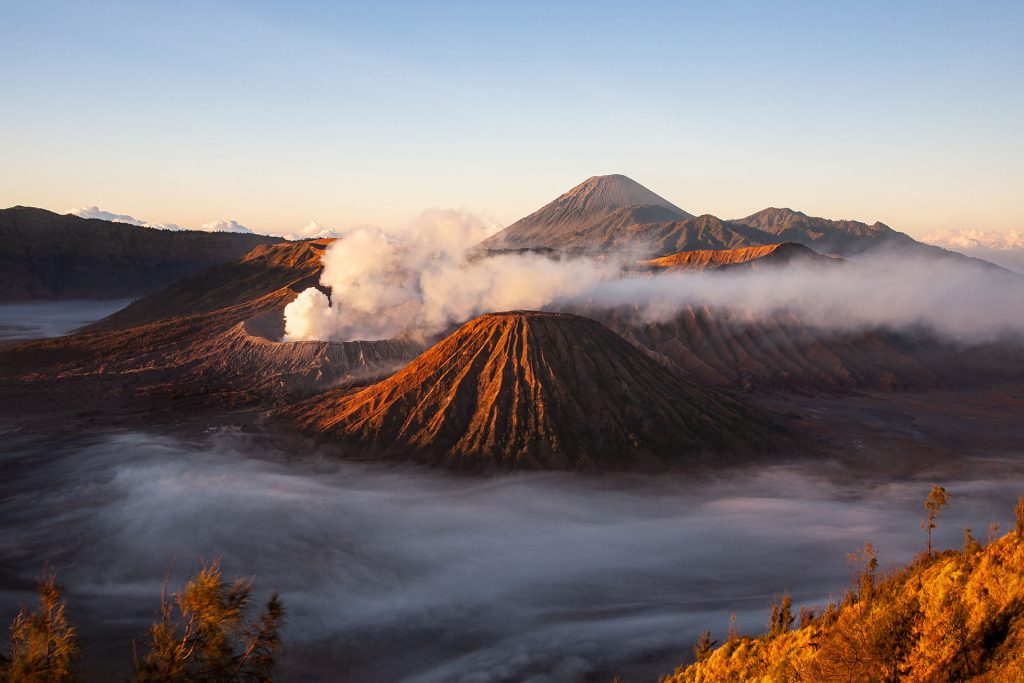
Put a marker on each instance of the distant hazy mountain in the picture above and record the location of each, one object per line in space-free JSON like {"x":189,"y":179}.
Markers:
{"x":614,"y":213}
{"x":827,"y":236}
{"x":45,"y":255}
{"x":537,"y":390}
{"x":593,"y":215}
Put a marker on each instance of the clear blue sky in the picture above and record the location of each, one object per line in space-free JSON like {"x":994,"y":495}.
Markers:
{"x":278,"y":113}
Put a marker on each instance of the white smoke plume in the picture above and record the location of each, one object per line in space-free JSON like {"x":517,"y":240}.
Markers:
{"x":419,"y":280}
{"x":422,"y":280}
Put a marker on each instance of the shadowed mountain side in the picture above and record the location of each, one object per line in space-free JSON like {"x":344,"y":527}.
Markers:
{"x":778,"y":352}
{"x":745,"y":257}
{"x":615,"y":214}
{"x":44,"y":255}
{"x":702,"y":232}
{"x":734,"y":350}
{"x":848,"y":238}
{"x":640,"y":231}
{"x":262,"y":272}
{"x":201,"y":344}
{"x":539,"y":391}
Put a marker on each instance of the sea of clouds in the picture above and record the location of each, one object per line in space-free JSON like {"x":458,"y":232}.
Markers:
{"x":402,"y":574}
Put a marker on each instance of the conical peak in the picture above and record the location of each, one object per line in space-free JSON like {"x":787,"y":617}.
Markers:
{"x":610,"y":192}
{"x":530,"y":389}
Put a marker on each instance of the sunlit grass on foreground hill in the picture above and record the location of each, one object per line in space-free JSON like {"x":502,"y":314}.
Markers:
{"x":953,"y":615}
{"x":956,"y":615}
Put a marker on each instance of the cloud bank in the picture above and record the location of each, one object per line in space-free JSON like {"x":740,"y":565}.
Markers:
{"x":1003,"y":248}
{"x":966,"y":302}
{"x":312,"y":230}
{"x":98,"y":213}
{"x":422,"y":281}
{"x":212,"y":226}
{"x":225,"y":226}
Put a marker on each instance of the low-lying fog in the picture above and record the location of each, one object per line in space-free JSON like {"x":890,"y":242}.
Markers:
{"x":38,"y":319}
{"x":409,"y":575}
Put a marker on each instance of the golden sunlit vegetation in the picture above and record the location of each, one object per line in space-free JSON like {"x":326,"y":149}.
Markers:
{"x":211,"y":638}
{"x":44,"y":646}
{"x":205,"y":634}
{"x":956,"y":615}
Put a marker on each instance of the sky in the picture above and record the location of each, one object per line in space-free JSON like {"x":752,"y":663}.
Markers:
{"x":276,"y":114}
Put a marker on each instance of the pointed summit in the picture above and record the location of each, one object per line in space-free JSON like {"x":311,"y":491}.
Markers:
{"x":600,"y":211}
{"x":603,"y":193}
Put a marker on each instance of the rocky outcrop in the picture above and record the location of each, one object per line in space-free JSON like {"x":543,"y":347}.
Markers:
{"x":745,"y":257}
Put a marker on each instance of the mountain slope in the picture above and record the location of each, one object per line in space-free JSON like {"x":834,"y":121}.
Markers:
{"x":777,"y":352}
{"x":702,"y":232}
{"x":957,"y":617}
{"x":587,"y":216}
{"x":44,"y":255}
{"x":613,"y":213}
{"x":261,"y":272}
{"x":537,"y":390}
{"x":824,"y":235}
{"x":208,"y":342}
{"x":848,"y":238}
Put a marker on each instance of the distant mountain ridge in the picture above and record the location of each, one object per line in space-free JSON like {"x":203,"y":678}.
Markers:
{"x":613,"y":213}
{"x":45,"y":255}
{"x":825,"y":235}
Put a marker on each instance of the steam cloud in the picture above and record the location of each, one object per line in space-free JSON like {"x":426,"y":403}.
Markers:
{"x":423,"y":280}
{"x":418,"y":281}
